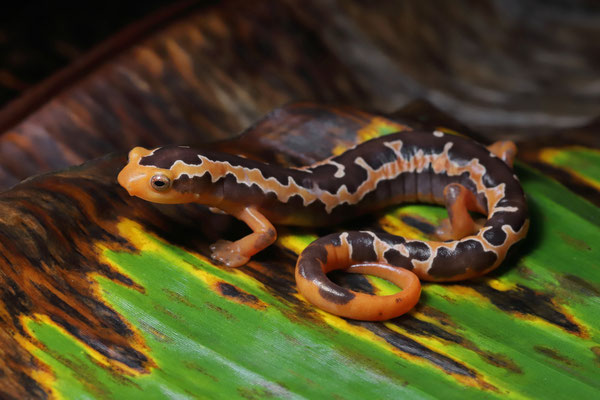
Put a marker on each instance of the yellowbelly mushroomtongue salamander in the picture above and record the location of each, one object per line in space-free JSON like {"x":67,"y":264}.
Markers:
{"x":429,"y":167}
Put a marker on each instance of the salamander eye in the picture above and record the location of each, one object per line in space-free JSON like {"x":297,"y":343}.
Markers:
{"x":160,"y":182}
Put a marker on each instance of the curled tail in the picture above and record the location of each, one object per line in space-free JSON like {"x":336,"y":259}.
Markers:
{"x":398,"y":260}
{"x":342,"y":251}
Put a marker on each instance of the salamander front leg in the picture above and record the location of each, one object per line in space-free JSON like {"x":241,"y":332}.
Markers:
{"x":505,"y":150}
{"x":459,"y":200}
{"x":236,"y":254}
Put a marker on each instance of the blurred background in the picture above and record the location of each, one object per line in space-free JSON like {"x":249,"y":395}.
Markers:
{"x":39,"y":37}
{"x":174,"y":70}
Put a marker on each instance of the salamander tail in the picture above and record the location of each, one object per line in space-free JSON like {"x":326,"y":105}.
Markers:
{"x":328,"y":254}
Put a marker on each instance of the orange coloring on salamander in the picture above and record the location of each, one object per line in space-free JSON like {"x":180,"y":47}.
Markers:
{"x":430,"y":167}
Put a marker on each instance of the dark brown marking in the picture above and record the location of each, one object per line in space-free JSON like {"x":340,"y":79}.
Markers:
{"x":266,"y":238}
{"x":196,"y":184}
{"x":424,"y":187}
{"x":310,"y":267}
{"x":412,"y":347}
{"x":523,"y":300}
{"x":355,"y":282}
{"x":395,"y":258}
{"x":354,"y":176}
{"x":379,"y":156}
{"x":575,"y":283}
{"x":469,"y":255}
{"x":165,"y":157}
{"x":362,"y":248}
{"x":495,"y":236}
{"x":336,"y":294}
{"x":418,"y":250}
{"x":390,"y":239}
{"x":448,"y":333}
{"x":229,"y":290}
{"x":418,"y":223}
{"x":515,"y":219}
{"x":576,"y":243}
{"x":555,"y":355}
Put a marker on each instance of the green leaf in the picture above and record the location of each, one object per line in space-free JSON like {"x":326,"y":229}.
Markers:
{"x":174,"y":325}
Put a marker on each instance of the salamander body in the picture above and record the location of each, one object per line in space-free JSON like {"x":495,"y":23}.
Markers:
{"x":429,"y":167}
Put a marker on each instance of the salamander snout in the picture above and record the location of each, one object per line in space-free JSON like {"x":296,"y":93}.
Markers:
{"x":145,"y":181}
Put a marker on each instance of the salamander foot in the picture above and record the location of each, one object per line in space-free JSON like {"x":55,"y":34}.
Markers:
{"x":228,"y":253}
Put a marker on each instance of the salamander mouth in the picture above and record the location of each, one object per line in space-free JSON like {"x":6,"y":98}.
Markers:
{"x":131,"y":180}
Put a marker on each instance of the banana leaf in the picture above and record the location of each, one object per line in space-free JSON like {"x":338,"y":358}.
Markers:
{"x":106,"y":296}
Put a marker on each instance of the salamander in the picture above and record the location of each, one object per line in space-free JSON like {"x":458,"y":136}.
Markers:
{"x":409,"y":166}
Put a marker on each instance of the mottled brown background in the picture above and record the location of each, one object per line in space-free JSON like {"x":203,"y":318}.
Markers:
{"x":37,"y":38}
{"x":505,"y":68}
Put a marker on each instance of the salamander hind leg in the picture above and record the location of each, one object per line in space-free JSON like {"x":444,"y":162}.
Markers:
{"x":238,"y":253}
{"x":459,"y":200}
{"x":505,"y":150}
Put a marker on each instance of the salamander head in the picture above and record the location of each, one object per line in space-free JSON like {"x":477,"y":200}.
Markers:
{"x":150,"y":182}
